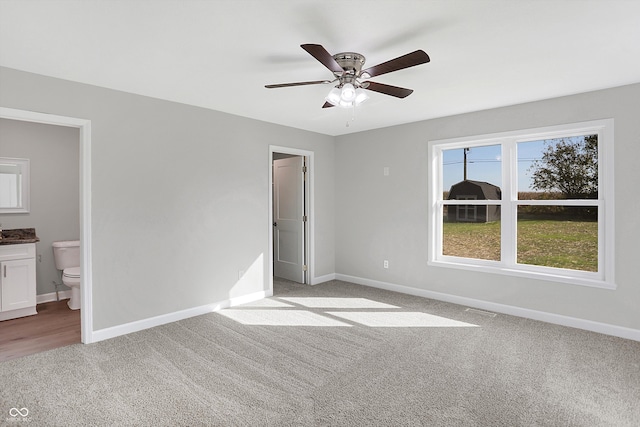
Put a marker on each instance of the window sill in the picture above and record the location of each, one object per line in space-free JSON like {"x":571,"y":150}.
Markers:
{"x":572,"y":277}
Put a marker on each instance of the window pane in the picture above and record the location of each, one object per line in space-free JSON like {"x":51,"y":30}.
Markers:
{"x":479,"y":239}
{"x":558,"y":236}
{"x":561,"y":168}
{"x":482,"y":165}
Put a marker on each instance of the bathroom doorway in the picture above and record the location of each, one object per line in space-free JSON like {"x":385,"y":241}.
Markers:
{"x":291,"y":215}
{"x":84,"y":146}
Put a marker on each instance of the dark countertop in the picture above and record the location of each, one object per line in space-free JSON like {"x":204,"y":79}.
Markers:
{"x":18,"y":236}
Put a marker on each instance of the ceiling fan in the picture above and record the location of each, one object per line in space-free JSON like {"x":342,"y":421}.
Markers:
{"x":347,"y":71}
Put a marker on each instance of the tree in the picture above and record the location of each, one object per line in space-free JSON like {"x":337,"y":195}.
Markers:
{"x":569,"y":166}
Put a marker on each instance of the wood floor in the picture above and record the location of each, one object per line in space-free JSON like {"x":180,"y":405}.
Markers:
{"x":54,"y":326}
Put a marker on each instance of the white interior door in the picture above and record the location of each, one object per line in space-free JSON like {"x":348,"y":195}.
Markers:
{"x":288,"y":221}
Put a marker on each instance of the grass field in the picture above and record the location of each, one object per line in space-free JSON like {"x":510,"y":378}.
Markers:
{"x":550,"y":243}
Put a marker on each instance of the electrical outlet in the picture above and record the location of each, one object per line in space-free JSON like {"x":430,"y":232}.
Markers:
{"x":385,"y":263}
{"x":385,"y":171}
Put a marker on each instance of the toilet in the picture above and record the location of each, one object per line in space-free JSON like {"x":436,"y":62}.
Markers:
{"x":66,"y":255}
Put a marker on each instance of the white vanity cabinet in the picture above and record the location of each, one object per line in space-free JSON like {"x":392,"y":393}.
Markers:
{"x":17,"y":280}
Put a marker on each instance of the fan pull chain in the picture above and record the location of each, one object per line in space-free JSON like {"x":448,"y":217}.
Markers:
{"x":353,"y":115}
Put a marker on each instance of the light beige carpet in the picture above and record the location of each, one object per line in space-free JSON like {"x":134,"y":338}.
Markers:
{"x":333,"y":354}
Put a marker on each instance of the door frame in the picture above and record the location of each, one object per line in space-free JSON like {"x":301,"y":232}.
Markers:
{"x":309,"y":208}
{"x":84,"y":126}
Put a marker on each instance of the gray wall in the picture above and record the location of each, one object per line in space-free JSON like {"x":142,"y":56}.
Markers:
{"x":179,"y":196}
{"x":54,"y":164}
{"x":386,"y":217}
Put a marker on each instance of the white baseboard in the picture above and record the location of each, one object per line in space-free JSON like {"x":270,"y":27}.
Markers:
{"x":52,"y":296}
{"x":322,"y":279}
{"x":151,"y":322}
{"x":558,"y":319}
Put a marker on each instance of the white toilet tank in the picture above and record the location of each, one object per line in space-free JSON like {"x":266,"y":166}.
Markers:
{"x":66,"y":254}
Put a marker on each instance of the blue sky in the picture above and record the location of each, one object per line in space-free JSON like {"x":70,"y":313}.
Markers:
{"x":484,"y":164}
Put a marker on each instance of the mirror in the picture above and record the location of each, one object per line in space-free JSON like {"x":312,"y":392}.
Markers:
{"x":14,"y":185}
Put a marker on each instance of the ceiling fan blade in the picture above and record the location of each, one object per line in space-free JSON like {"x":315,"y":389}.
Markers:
{"x":321,"y":54}
{"x":398,"y":92}
{"x":315,"y":82}
{"x":327,"y":105}
{"x":405,"y":61}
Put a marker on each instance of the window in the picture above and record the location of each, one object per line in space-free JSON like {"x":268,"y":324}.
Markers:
{"x":534,"y":203}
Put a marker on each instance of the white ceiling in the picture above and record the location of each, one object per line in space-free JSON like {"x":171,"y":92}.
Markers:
{"x":219,"y":54}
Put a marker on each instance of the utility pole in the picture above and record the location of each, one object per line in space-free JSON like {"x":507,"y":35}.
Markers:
{"x":465,"y":150}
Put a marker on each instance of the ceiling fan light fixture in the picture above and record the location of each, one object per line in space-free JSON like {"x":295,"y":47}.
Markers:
{"x":333,"y":97}
{"x":348,"y":92}
{"x":361,"y":96}
{"x":354,"y":98}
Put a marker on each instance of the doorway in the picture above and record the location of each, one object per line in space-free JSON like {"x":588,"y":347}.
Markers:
{"x":291,"y":214}
{"x":84,"y":126}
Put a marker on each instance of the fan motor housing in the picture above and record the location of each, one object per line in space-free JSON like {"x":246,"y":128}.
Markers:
{"x":351,"y":63}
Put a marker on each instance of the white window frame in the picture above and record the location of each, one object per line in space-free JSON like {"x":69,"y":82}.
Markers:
{"x":603,"y":278}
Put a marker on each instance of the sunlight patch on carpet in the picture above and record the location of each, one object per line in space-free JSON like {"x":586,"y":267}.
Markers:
{"x":280,"y":318}
{"x":266,"y":303}
{"x":327,"y":302}
{"x":399,"y":320}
